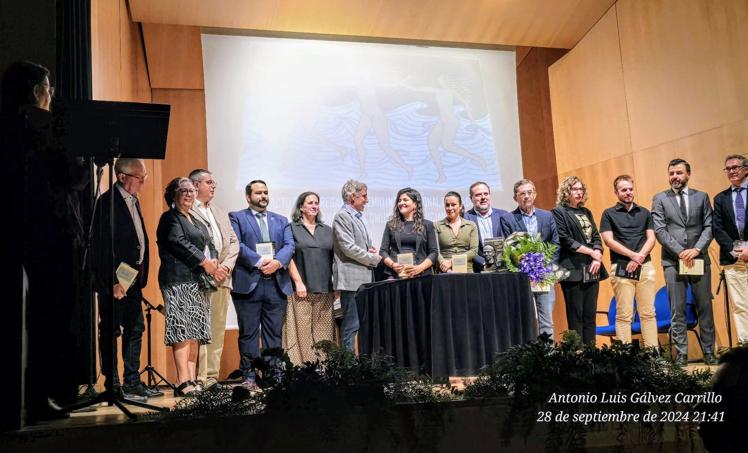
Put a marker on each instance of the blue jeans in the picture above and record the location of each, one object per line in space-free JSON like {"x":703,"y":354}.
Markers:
{"x":350,"y":319}
{"x":544,"y":303}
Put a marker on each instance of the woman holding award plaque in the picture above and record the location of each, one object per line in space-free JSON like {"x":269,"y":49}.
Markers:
{"x":409,"y":246}
{"x":458,"y":237}
{"x":580,"y":253}
{"x":309,"y":317}
{"x":186,"y":253}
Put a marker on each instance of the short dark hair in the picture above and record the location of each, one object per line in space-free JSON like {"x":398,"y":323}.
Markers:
{"x":477,"y":183}
{"x":521,"y":183}
{"x":19,"y":80}
{"x":170,"y":192}
{"x":678,"y":161}
{"x":248,"y":188}
{"x":455,"y":194}
{"x":619,"y":179}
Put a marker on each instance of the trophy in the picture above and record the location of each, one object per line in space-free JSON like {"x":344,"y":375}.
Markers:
{"x":493,"y":251}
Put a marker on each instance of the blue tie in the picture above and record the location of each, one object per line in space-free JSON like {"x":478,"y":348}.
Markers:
{"x":739,"y":210}
{"x":263,"y":227}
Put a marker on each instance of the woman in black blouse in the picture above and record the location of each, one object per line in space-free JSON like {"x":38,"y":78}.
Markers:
{"x":309,"y":317}
{"x":581,"y":252}
{"x":408,"y":232}
{"x":186,"y":259}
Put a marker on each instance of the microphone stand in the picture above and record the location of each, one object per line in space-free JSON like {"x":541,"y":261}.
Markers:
{"x":149,"y":368}
{"x":723,"y":282}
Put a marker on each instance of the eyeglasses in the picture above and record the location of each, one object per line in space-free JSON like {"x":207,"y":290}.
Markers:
{"x":139,"y":178}
{"x":209,"y":182}
{"x":733,"y":168}
{"x":186,"y":191}
{"x":50,"y":88}
{"x":529,"y":193}
{"x":578,"y":189}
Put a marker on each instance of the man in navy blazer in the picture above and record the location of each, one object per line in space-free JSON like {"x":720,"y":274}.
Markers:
{"x":533,"y":220}
{"x":730,"y":231}
{"x":486,"y":217}
{"x":260,"y":284}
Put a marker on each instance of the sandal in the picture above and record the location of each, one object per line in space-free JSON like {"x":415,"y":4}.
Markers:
{"x":181,"y":390}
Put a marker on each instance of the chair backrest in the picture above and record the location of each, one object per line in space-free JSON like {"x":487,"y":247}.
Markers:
{"x":662,"y":305}
{"x":612,"y":312}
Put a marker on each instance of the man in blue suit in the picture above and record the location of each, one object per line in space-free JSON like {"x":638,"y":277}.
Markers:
{"x":486,"y":217}
{"x":261,"y":283}
{"x":530,"y":219}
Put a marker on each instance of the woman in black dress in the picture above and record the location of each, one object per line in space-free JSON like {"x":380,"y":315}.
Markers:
{"x":581,"y":254}
{"x":408,"y":232}
{"x":309,"y":317}
{"x":187,"y":261}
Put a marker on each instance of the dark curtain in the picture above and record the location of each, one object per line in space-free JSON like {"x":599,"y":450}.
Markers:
{"x":73,"y":82}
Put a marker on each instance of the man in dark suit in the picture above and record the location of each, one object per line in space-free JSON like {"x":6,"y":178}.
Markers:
{"x":533,"y":220}
{"x":130,"y":247}
{"x":683,"y":226}
{"x":486,"y":217}
{"x":261,"y":283}
{"x":730,"y":232}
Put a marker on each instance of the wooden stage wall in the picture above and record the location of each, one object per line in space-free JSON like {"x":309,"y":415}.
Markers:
{"x":651,"y":81}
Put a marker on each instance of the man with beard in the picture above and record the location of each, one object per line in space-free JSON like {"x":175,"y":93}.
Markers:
{"x":486,"y":217}
{"x":628,"y":231}
{"x":682,"y":219}
{"x":261,"y":280}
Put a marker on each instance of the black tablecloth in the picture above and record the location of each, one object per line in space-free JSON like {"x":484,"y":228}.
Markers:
{"x":447,"y":324}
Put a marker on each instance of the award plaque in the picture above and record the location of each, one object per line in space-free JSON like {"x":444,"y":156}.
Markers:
{"x":405,"y":259}
{"x":493,"y":252}
{"x":460,"y":264}
{"x":696,"y":269}
{"x":266,"y":250}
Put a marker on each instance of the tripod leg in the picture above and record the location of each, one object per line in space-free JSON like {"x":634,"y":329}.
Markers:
{"x":163,"y":379}
{"x":124,"y":409}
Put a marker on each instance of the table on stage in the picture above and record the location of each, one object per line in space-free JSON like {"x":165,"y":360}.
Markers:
{"x":447,"y":324}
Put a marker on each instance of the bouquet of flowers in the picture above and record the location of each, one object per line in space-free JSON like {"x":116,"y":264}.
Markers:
{"x":526,"y":253}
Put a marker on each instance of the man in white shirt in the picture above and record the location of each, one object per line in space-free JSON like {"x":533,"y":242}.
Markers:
{"x":225,"y":242}
{"x":486,"y":217}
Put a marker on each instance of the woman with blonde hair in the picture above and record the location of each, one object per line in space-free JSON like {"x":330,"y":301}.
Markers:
{"x":580,"y":253}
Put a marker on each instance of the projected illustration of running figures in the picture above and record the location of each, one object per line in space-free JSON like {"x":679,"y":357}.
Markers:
{"x":373,"y":117}
{"x":444,"y":131}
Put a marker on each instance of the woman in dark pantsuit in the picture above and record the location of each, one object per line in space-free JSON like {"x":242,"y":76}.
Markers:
{"x":581,"y":248}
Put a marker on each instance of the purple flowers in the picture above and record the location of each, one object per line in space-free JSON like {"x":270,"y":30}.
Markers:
{"x":533,"y":264}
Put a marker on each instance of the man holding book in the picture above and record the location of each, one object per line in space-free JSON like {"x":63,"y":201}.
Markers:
{"x":627,"y":229}
{"x":682,"y":219}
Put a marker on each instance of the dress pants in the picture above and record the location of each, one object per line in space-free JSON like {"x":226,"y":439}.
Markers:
{"x":209,"y":355}
{"x":264,"y":307}
{"x":544,"y":303}
{"x":643,"y":290}
{"x":128,"y":322}
{"x":701,"y":286}
{"x":581,"y":308}
{"x":736,"y":277}
{"x":350,"y":319}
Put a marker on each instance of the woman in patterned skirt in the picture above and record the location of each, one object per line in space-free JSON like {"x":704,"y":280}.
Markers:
{"x":186,"y":254}
{"x":309,"y":317}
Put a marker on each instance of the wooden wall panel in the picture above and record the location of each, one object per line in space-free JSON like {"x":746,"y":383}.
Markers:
{"x":727,"y":23}
{"x":105,"y":49}
{"x":670,"y":63}
{"x":540,"y":23}
{"x":175,"y":56}
{"x":588,"y":100}
{"x":187,"y":145}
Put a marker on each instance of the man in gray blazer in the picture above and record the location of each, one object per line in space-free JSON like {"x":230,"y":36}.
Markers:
{"x":224,"y":239}
{"x":355,"y":257}
{"x":683,"y":225}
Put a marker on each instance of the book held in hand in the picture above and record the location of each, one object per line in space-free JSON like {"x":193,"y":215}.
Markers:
{"x":696,"y":269}
{"x":126,"y":275}
{"x":266,"y":250}
{"x":622,"y":273}
{"x":588,"y":277}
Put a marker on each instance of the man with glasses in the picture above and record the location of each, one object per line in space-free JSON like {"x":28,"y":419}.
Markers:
{"x":540,"y":222}
{"x":130,"y":246}
{"x":261,"y":279}
{"x":682,"y":219}
{"x":730,"y":232}
{"x":225,"y":242}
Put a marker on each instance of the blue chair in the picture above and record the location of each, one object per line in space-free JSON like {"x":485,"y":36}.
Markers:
{"x":610,"y":329}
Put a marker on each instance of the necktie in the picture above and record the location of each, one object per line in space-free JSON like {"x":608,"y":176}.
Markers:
{"x":739,"y":210}
{"x":263,"y":227}
{"x":683,"y":211}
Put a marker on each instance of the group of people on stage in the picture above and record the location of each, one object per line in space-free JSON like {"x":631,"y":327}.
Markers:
{"x":283,"y":277}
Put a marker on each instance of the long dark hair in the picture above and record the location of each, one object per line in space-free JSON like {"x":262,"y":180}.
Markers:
{"x":296,"y":212}
{"x":396,"y":221}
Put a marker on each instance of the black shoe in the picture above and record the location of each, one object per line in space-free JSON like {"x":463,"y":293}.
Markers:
{"x":709,"y":359}
{"x":682,"y":360}
{"x":136,"y":392}
{"x":151,"y":392}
